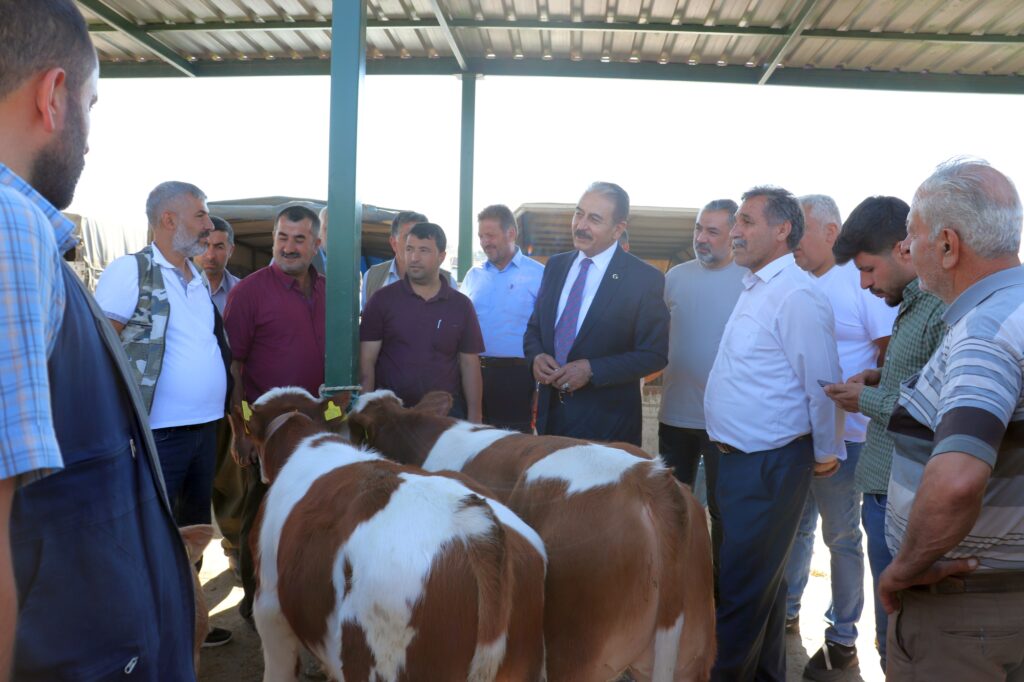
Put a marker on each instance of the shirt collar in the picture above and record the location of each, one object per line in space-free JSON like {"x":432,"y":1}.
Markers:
{"x":63,"y":229}
{"x":517,"y":258}
{"x":227,"y":281}
{"x":393,"y":269}
{"x":159,"y":259}
{"x":441,"y":294}
{"x":601,"y":260}
{"x":289,"y":282}
{"x":972,"y":297}
{"x":769,"y":271}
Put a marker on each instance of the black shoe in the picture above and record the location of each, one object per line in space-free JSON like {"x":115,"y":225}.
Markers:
{"x":830,"y":662}
{"x":793,"y":625}
{"x":217,"y":637}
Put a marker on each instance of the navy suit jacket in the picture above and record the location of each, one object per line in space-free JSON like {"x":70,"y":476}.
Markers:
{"x":625,"y":338}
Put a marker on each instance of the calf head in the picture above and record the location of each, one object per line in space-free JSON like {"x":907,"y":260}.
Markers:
{"x":284,"y":416}
{"x":403,"y":435}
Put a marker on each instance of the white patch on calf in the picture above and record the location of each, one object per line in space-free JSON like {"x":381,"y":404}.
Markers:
{"x":666,"y":651}
{"x":391,"y":556}
{"x":283,"y":390}
{"x":509,"y":519}
{"x":460,"y":444}
{"x":584,"y":467}
{"x":367,"y":398}
{"x":487,"y":659}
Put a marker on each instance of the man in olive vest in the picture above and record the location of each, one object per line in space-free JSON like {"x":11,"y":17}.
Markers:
{"x":390,"y":271}
{"x":159,"y":304}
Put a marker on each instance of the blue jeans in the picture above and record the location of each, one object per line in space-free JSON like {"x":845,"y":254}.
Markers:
{"x":873,"y":516}
{"x":188,"y":459}
{"x":838,"y":501}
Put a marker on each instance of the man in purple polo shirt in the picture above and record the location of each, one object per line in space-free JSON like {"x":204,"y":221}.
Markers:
{"x":420,"y":335}
{"x":275,"y":325}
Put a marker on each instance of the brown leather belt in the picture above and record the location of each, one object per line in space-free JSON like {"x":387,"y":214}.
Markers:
{"x":986,"y":582}
{"x":487,"y":361}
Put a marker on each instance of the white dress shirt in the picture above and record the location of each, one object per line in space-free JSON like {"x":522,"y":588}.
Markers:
{"x":595,"y":273}
{"x":763,"y":390}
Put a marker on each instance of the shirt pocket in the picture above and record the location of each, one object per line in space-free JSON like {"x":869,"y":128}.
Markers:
{"x":446,"y":337}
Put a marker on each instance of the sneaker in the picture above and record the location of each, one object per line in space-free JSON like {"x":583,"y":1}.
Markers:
{"x":217,"y":637}
{"x":830,"y":662}
{"x":793,"y":625}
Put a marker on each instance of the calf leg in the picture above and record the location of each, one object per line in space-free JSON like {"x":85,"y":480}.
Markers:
{"x":280,"y":645}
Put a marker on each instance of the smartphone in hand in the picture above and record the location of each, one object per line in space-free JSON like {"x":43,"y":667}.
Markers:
{"x":823,"y":383}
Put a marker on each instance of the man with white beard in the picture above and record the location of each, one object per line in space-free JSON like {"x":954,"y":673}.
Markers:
{"x":180,"y":361}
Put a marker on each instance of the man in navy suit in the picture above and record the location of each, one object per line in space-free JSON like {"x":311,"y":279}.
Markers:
{"x":599,"y":326}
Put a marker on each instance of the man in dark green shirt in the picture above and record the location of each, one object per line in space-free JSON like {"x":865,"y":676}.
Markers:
{"x":872,"y":237}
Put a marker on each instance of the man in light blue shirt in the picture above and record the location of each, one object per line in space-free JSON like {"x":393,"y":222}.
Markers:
{"x":503,"y":291}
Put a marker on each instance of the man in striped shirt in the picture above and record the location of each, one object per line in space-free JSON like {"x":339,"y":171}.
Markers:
{"x":955,"y":520}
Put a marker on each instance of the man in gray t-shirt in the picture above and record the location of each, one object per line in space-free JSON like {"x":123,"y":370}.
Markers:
{"x":700,"y":295}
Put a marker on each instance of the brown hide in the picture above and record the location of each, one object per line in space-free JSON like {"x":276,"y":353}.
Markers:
{"x":316,"y":529}
{"x":196,"y":538}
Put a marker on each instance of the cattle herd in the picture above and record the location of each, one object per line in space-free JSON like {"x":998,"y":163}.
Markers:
{"x":397,"y":543}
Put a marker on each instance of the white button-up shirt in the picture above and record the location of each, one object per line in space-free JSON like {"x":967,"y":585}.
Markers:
{"x":595,"y":273}
{"x":763,"y":390}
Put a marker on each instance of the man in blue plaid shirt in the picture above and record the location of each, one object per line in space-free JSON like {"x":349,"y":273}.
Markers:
{"x":82,"y":504}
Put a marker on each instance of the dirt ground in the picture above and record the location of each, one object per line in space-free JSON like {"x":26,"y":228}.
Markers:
{"x":241,"y":660}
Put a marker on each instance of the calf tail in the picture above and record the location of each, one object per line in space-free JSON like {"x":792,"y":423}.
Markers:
{"x":697,"y":646}
{"x":684,"y":647}
{"x":488,"y":559}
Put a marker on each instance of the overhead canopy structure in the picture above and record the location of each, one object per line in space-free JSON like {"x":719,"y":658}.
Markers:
{"x":973,"y":46}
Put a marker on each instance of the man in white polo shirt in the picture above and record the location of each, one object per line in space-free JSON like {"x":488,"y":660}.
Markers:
{"x":160,"y":306}
{"x":863,"y":327}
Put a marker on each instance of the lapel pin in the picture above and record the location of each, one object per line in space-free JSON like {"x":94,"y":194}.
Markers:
{"x":615,"y":275}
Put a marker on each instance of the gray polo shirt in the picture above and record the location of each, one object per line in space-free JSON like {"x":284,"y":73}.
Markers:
{"x":700,"y":301}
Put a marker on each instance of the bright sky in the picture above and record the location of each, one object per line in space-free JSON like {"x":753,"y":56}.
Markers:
{"x":537,"y":140}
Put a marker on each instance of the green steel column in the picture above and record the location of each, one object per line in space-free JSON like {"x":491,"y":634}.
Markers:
{"x":345,"y":213}
{"x":466,"y":174}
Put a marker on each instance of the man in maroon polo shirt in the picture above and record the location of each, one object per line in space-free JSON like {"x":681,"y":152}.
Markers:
{"x":420,"y":335}
{"x":274,"y":320}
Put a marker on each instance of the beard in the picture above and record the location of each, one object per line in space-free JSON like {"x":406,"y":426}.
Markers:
{"x":58,"y":167}
{"x":185,"y":244}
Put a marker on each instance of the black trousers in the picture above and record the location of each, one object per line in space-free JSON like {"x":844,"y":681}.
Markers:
{"x":682,"y":450}
{"x":508,"y":393}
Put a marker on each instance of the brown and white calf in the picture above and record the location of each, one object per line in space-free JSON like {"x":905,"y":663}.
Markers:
{"x":629,"y":581}
{"x":381,"y":571}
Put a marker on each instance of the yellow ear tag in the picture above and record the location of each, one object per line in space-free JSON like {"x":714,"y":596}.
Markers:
{"x":332,"y":412}
{"x":246,"y":411}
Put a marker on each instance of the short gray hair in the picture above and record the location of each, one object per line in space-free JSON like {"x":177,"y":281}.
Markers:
{"x":780,"y":206}
{"x":166,"y":192}
{"x":618,"y":196}
{"x":971,"y":197}
{"x":822,"y":207}
{"x":727,"y":205}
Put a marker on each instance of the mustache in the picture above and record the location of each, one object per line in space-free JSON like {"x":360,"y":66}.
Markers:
{"x":581,"y":234}
{"x":703,"y":248}
{"x":739,"y":243}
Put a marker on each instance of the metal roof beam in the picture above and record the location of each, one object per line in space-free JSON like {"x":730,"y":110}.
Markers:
{"x":706,"y":73}
{"x":584,"y":26}
{"x":448,"y":35}
{"x":794,"y":35}
{"x":122,"y":25}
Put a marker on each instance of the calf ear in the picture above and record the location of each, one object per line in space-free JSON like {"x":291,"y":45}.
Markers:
{"x":333,"y":411}
{"x":359,"y":428}
{"x":437,"y":403}
{"x":241,"y":446}
{"x":196,"y":538}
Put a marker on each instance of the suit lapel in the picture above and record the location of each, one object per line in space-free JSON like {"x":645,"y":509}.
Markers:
{"x":606,"y":292}
{"x":559,"y":271}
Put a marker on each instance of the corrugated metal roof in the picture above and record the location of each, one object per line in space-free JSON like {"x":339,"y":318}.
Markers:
{"x":915,"y":44}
